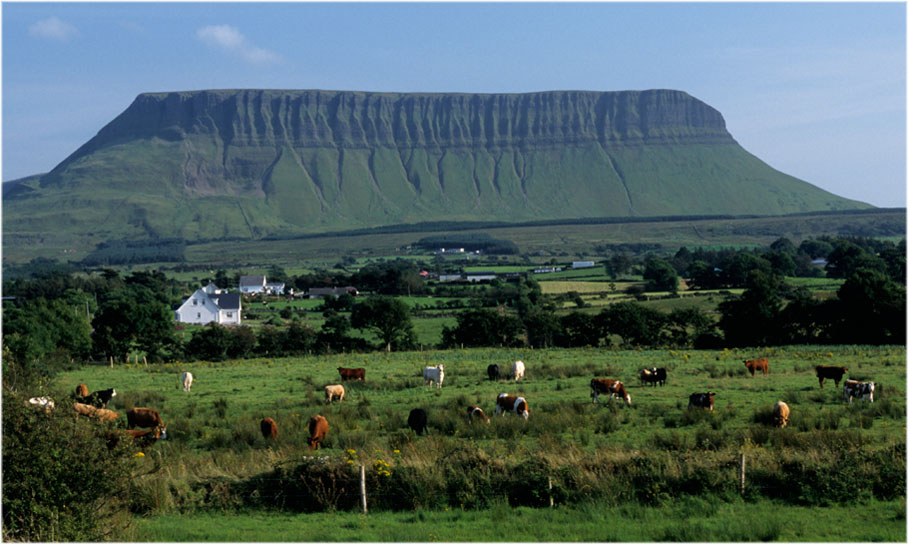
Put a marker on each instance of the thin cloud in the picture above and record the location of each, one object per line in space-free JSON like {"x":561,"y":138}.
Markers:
{"x":53,"y":29}
{"x":230,"y":39}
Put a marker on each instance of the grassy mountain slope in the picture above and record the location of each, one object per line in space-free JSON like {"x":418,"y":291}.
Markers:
{"x":244,"y":164}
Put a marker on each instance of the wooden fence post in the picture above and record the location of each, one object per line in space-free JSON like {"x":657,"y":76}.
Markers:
{"x":111,"y":361}
{"x":551,"y":499}
{"x":362,"y":487}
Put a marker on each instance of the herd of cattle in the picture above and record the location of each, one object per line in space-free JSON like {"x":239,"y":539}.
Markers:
{"x":152,"y":428}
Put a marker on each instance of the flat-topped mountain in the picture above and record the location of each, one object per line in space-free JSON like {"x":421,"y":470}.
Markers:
{"x":249,"y":163}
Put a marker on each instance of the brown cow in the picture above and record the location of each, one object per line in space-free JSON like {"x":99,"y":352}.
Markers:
{"x":780,"y":413}
{"x":512,"y":403}
{"x":352,"y":373}
{"x":145,"y":439}
{"x":269,"y":429}
{"x":831,"y":372}
{"x":144,"y":417}
{"x":81,"y":390}
{"x":93,"y":412}
{"x":761,"y":364}
{"x":476,"y":412}
{"x":614,"y":388}
{"x":318,"y":428}
{"x":332,"y":391}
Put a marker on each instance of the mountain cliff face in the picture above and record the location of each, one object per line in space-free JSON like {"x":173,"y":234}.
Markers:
{"x":246,"y":163}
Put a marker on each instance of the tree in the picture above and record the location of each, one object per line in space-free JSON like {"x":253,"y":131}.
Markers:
{"x":334,"y":333}
{"x":483,"y":327}
{"x":871,"y":309}
{"x":542,"y":327}
{"x":753,"y":319}
{"x":211,"y":343}
{"x":635,"y":324}
{"x":134,"y":318}
{"x":660,"y":275}
{"x":388,"y":318}
{"x":577,"y":329}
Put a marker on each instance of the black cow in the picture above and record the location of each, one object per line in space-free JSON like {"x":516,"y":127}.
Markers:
{"x":702,"y":400}
{"x":494,"y":372}
{"x":417,"y":420}
{"x":661,"y":374}
{"x":99,"y":399}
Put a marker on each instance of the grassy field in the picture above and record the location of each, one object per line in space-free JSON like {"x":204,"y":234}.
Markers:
{"x":214,"y":445}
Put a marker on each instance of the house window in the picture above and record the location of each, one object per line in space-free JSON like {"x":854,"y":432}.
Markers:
{"x":195,"y":302}
{"x":229,"y":314}
{"x":198,"y":316}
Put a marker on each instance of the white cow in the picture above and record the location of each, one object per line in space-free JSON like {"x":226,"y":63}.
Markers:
{"x":187,"y":381}
{"x":46,"y":402}
{"x":434,"y":374}
{"x":518,"y":369}
{"x":332,"y":391}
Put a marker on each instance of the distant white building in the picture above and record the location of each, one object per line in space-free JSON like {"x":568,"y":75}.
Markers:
{"x":480,"y":276}
{"x":201,"y":308}
{"x":275,"y":288}
{"x":252,"y":284}
{"x":583,"y":264}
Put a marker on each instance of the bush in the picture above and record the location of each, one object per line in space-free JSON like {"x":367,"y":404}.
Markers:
{"x":60,"y":479}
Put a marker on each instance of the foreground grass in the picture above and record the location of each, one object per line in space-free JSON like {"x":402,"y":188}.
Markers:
{"x":693,"y":519}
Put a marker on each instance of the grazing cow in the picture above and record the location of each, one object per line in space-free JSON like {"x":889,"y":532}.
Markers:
{"x":187,"y":381}
{"x":854,"y":388}
{"x":99,"y":399}
{"x":512,"y":403}
{"x":145,"y":439}
{"x":417,"y":420}
{"x":93,"y":412}
{"x":332,"y":391}
{"x":269,"y":429}
{"x":494,"y":372}
{"x":702,"y":400}
{"x":614,"y":388}
{"x":318,"y":428}
{"x":655,"y":376}
{"x":476,"y":412}
{"x":831,"y":372}
{"x":433,"y":374}
{"x":761,"y":364}
{"x":780,"y":413}
{"x":146,"y":418}
{"x":518,"y":369}
{"x":81,"y":391}
{"x":46,"y":402}
{"x":352,"y":374}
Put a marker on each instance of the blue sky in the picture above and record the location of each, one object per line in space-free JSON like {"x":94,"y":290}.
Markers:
{"x":817,"y":90}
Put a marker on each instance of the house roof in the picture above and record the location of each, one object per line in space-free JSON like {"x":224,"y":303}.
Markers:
{"x":227,"y":301}
{"x":252,"y":280}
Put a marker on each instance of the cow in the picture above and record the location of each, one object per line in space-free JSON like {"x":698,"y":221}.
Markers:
{"x":417,"y":420}
{"x":352,"y":374}
{"x":512,"y":403}
{"x":655,"y":376}
{"x":146,"y":418}
{"x":494,"y":372}
{"x":780,"y":413}
{"x":99,"y":399}
{"x":143,"y":438}
{"x":186,"y":379}
{"x":518,"y":369}
{"x":476,"y":412}
{"x":332,"y":391}
{"x":318,"y":428}
{"x":702,"y":400}
{"x":45,"y":402}
{"x":614,"y":388}
{"x":854,"y":388}
{"x":433,"y":374}
{"x":831,"y":372}
{"x":761,"y":364}
{"x":269,"y":429}
{"x":90,"y":411}
{"x":81,"y":391}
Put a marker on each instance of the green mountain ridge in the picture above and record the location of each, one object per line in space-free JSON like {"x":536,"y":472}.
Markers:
{"x":254,"y":163}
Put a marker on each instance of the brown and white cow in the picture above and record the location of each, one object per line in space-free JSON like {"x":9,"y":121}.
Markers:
{"x":94,"y":412}
{"x":352,"y":373}
{"x":614,"y":388}
{"x":854,"y":388}
{"x":99,"y":399}
{"x":512,"y":403}
{"x":761,"y":364}
{"x":318,"y":428}
{"x":831,"y":372}
{"x":474,"y":412}
{"x":269,"y":429}
{"x":702,"y":400}
{"x":780,"y":413}
{"x":332,"y":391}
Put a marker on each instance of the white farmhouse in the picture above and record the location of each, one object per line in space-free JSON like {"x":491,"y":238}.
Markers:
{"x":275,"y":288}
{"x":202,"y":308}
{"x":252,"y":284}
